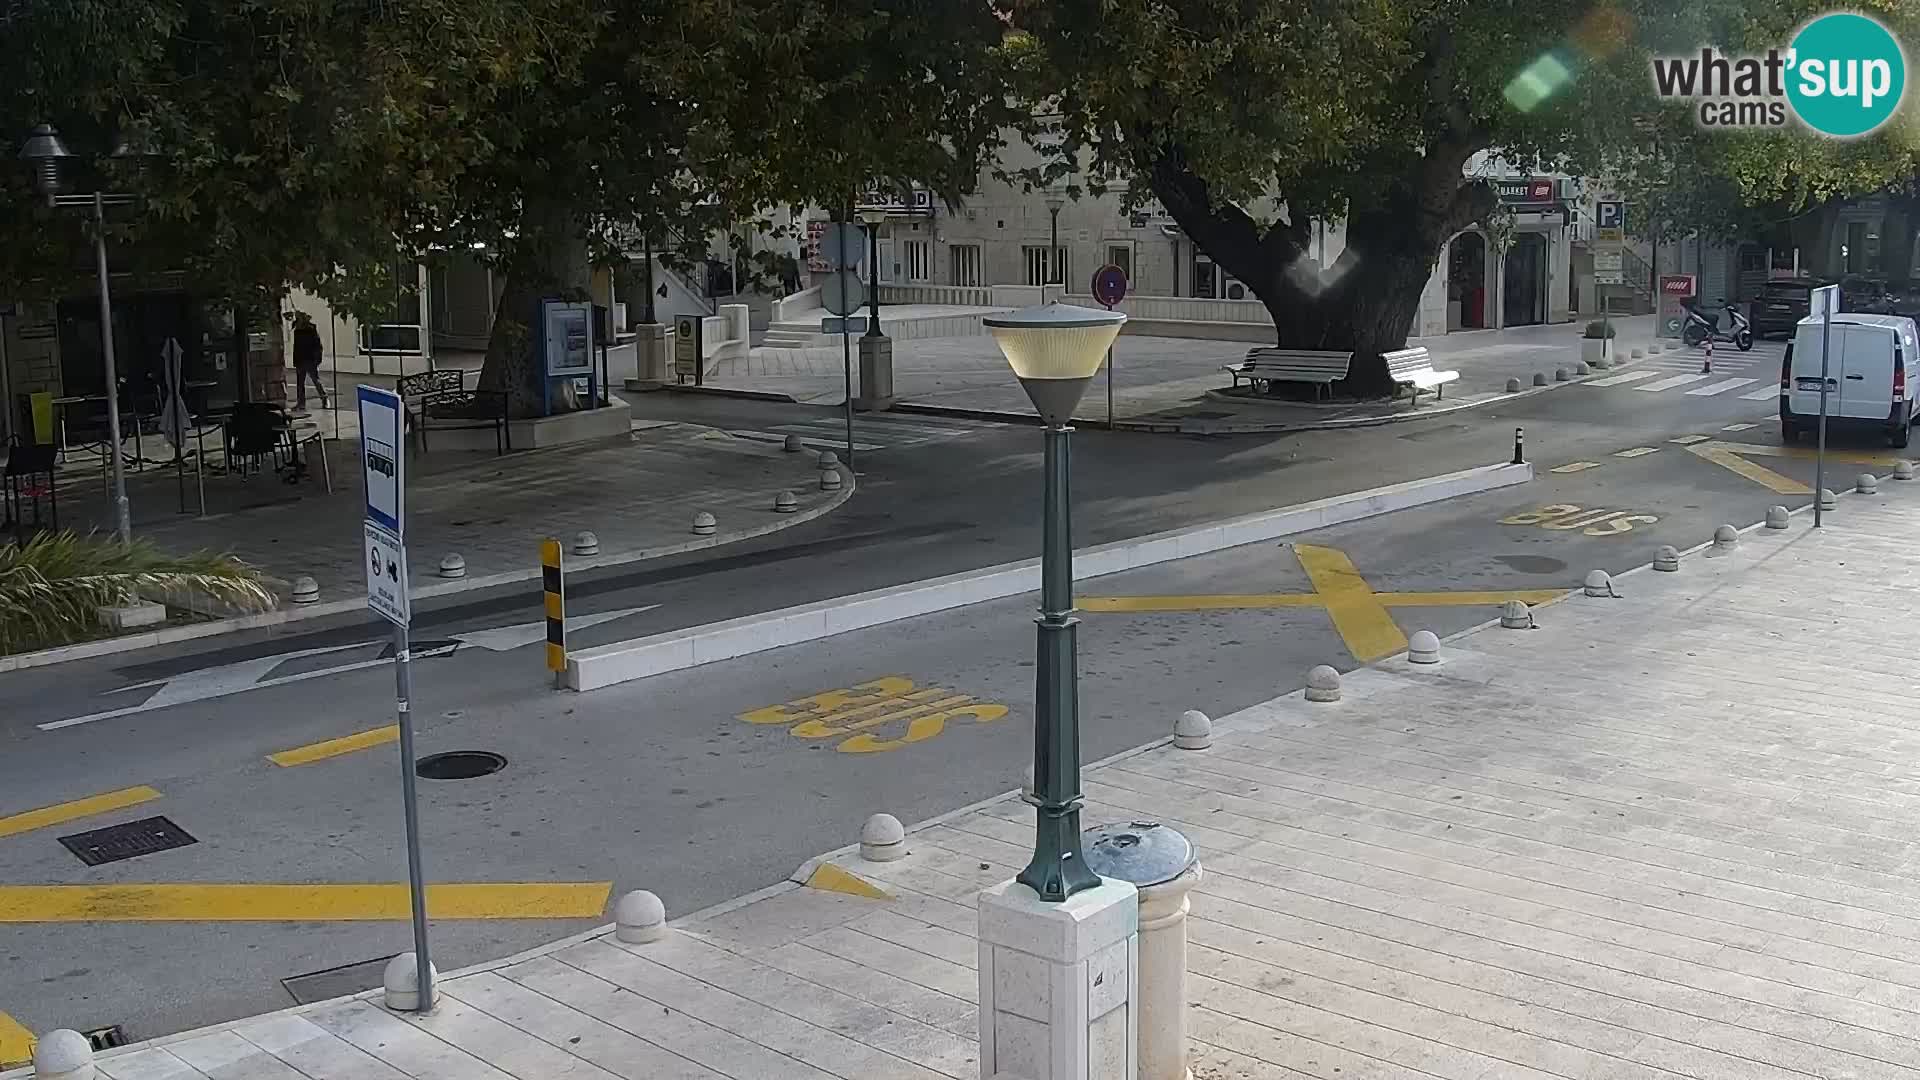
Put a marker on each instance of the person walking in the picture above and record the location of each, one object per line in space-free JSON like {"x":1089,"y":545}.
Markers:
{"x":307,"y":353}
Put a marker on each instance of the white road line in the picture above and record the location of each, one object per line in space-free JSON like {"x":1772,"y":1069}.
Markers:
{"x":1576,"y":466}
{"x":1721,"y":387}
{"x":1670,"y":383}
{"x":1689,"y":440}
{"x":1739,"y":427}
{"x":1761,"y":395}
{"x":1617,"y":380}
{"x":1638,"y":451}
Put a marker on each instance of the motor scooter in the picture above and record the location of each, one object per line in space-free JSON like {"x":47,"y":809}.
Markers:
{"x":1701,"y":325}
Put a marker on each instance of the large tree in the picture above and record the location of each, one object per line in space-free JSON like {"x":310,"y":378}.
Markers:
{"x":1249,"y":119}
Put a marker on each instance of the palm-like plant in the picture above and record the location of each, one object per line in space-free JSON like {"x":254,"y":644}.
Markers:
{"x":51,"y":585}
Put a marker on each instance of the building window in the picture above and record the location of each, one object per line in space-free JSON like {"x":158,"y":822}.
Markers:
{"x":1121,"y":255}
{"x":1040,"y":271}
{"x":963,"y":262}
{"x":918,"y":256}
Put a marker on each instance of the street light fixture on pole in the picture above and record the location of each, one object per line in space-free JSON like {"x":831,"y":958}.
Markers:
{"x":47,"y":154}
{"x":1054,"y":350}
{"x":1056,"y":274}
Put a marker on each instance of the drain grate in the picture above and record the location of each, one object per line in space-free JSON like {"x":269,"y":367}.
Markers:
{"x":336,"y":982}
{"x":107,"y":1038}
{"x":132,"y":840}
{"x":459,"y":765}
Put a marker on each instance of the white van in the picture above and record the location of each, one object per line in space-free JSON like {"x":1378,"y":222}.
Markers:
{"x":1873,"y":376}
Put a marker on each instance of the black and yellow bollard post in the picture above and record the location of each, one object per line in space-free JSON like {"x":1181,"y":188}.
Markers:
{"x":554,"y":585}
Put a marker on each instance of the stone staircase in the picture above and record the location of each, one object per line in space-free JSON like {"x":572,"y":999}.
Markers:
{"x":798,"y":331}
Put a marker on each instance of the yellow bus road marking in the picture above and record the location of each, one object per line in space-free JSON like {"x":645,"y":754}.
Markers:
{"x":1576,"y":466}
{"x":79,"y":808}
{"x":1566,"y":517}
{"x":1359,"y":614}
{"x":1638,"y":451}
{"x":16,"y":1042}
{"x":297,"y":903}
{"x":856,"y":711}
{"x":332,"y":748}
{"x":1732,"y":456}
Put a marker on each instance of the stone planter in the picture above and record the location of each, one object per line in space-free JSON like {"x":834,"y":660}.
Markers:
{"x":1597,"y":352}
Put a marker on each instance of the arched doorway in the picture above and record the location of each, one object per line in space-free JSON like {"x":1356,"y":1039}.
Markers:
{"x":1526,"y":281}
{"x":1467,"y":282}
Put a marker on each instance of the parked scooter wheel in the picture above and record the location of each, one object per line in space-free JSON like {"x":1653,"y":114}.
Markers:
{"x":1744,"y":340}
{"x":1692,"y":334}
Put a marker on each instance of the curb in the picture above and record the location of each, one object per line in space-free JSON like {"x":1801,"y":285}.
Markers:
{"x":173,"y":635}
{"x":608,"y":665}
{"x":726,"y":391}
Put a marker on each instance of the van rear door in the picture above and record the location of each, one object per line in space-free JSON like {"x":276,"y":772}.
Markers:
{"x":1803,"y":392}
{"x":1866,"y":381}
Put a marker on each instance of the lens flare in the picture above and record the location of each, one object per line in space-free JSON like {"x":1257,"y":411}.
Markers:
{"x":1537,"y":82}
{"x":1603,"y":31}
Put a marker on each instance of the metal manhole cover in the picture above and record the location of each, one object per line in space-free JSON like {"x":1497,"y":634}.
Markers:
{"x":118,"y":842}
{"x":459,"y":765}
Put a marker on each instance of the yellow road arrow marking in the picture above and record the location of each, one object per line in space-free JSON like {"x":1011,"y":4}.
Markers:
{"x":79,"y":808}
{"x":297,"y":903}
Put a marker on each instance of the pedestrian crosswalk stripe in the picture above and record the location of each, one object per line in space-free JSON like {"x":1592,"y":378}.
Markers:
{"x":1671,"y":382}
{"x":1638,"y":451}
{"x":1721,"y":387}
{"x":1576,"y":466}
{"x":1761,"y":395}
{"x":1687,"y":440}
{"x":1739,"y":427}
{"x":1617,"y":380}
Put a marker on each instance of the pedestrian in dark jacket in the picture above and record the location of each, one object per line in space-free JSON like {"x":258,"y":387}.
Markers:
{"x":307,"y":354}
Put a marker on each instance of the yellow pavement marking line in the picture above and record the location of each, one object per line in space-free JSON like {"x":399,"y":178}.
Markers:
{"x":332,"y":748}
{"x":1638,"y":451}
{"x":79,"y":808}
{"x":297,"y":903}
{"x":1362,"y":620}
{"x":1732,"y":456}
{"x":16,"y":1042}
{"x":1359,"y":614}
{"x":833,"y":879}
{"x":1689,"y":440}
{"x":1576,"y":466}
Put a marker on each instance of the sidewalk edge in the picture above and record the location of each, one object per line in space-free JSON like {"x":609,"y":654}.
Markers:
{"x":675,"y":650}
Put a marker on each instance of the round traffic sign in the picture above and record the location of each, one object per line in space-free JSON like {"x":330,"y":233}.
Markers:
{"x":1109,"y":284}
{"x":842,"y":294}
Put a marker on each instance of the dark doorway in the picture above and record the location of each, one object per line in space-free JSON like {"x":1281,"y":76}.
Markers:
{"x":143,"y":323}
{"x":1526,"y":280}
{"x":1467,"y":280}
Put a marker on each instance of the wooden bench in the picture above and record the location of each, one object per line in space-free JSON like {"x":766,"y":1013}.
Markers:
{"x":1413,"y":368}
{"x":444,"y":397}
{"x":1267,"y":365}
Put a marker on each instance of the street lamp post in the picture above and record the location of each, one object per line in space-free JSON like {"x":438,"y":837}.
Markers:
{"x":1054,"y":350}
{"x":873,"y":217}
{"x":1055,"y":272}
{"x":47,"y":154}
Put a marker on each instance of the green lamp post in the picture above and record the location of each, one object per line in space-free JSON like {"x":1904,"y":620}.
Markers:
{"x":1054,"y":350}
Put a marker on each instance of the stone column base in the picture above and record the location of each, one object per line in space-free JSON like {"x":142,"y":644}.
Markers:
{"x":876,"y":374}
{"x":1058,"y":984}
{"x":650,"y":356}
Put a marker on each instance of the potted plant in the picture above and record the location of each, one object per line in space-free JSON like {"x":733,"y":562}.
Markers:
{"x":1596,"y":346}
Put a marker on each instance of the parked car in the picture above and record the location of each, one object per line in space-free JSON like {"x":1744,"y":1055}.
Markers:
{"x":1866,"y":295}
{"x":1873,"y":376}
{"x":1781,"y":306}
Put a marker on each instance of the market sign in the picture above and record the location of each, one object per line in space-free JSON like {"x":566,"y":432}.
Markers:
{"x":1530,"y":190}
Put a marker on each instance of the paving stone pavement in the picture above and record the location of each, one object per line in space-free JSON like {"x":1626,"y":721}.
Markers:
{"x":1664,"y":835}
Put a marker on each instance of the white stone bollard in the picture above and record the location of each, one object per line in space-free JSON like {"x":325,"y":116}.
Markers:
{"x":1726,"y":538}
{"x":1513,"y":386}
{"x":1903,"y":469}
{"x":1827,"y":500}
{"x":1639,"y":353}
{"x":786,"y":503}
{"x":704,"y":524}
{"x":1323,"y":684}
{"x":1193,"y":731}
{"x":1599,"y":583}
{"x":1667,"y":559}
{"x":639,"y":917}
{"x":453,"y":566}
{"x":1867,"y":484}
{"x":1163,"y":976}
{"x":882,"y":839}
{"x":402,"y":982}
{"x":829,"y":479}
{"x":585,"y":543}
{"x":1423,"y":647}
{"x":1516,"y":615}
{"x":1562,"y":374}
{"x":1777,"y":517}
{"x":1582,"y":368}
{"x":793,"y":445}
{"x":829,"y":460}
{"x":1539,"y":378}
{"x":305,"y":590}
{"x":63,"y":1054}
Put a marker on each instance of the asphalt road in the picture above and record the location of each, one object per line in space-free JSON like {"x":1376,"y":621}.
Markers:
{"x":708,"y":783}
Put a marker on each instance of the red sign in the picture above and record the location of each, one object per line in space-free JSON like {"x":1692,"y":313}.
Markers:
{"x":1109,"y":285}
{"x":1676,"y":284}
{"x":817,"y":260}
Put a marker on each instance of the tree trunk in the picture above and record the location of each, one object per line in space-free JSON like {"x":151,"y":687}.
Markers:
{"x":549,"y":262}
